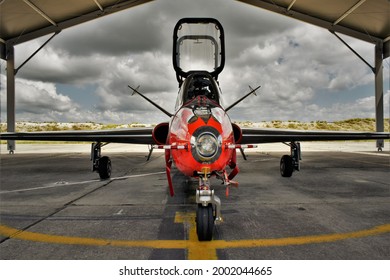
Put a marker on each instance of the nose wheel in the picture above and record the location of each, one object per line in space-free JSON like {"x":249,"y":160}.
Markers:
{"x":205,"y":222}
{"x":209,"y":210}
{"x":209,"y":207}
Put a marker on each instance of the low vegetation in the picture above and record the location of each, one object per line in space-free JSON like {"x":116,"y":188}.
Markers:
{"x":56,"y":126}
{"x":345,"y":125}
{"x":356,"y":124}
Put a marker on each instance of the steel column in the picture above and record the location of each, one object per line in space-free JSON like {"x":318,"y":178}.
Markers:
{"x":10,"y":57}
{"x":379,"y":114}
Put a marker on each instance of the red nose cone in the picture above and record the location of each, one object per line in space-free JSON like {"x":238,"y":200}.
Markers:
{"x":206,"y":131}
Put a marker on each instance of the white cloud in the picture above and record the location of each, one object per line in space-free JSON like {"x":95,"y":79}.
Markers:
{"x":59,"y":66}
{"x":362,"y":107}
{"x":38,"y":100}
{"x":38,"y":97}
{"x":152,"y":71}
{"x":293,"y":62}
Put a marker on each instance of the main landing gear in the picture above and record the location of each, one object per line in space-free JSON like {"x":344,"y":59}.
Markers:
{"x":290,"y":163}
{"x":101,"y":165}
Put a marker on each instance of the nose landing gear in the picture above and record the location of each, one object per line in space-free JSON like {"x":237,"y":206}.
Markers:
{"x":209,"y":209}
{"x":208,"y":212}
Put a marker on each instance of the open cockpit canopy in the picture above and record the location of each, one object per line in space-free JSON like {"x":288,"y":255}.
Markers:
{"x":198,"y":45}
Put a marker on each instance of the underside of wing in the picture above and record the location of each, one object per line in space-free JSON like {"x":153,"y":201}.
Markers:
{"x":257,"y":136}
{"x":134,"y":136}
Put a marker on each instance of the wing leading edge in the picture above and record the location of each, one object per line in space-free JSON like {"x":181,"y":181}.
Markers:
{"x":144,"y":136}
{"x":257,"y":136}
{"x":131,"y":136}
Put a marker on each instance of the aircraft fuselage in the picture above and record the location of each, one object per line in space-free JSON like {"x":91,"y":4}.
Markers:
{"x":205,"y":130}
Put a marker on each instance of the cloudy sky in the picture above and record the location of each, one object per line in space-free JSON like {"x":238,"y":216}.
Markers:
{"x":305,"y":72}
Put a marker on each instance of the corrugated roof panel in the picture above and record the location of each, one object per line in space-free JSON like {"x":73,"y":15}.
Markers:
{"x":371,"y":17}
{"x":18,"y":18}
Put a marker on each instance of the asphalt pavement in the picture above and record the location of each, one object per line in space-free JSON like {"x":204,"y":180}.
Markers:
{"x":53,"y":207}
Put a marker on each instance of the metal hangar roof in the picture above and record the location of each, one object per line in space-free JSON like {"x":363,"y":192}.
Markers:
{"x":24,"y":20}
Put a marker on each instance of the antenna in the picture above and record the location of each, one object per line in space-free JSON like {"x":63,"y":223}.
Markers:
{"x":242,"y":98}
{"x":135,"y":91}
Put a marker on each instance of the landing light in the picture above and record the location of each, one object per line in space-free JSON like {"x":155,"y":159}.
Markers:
{"x":206,"y":145}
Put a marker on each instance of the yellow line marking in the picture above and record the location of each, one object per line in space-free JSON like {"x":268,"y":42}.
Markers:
{"x":196,"y":250}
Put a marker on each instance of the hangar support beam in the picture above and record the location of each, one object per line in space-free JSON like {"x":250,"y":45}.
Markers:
{"x":349,"y":47}
{"x":378,"y":72}
{"x":10,"y":57}
{"x":2,"y":49}
{"x":379,"y":101}
{"x":379,"y":114}
{"x":41,"y":47}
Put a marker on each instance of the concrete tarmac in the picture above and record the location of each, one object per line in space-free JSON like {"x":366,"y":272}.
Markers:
{"x":53,"y":207}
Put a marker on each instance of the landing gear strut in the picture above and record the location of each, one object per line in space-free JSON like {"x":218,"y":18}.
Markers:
{"x":290,"y":163}
{"x":100,"y":164}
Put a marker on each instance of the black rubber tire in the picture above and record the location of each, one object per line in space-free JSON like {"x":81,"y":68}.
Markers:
{"x":104,"y":168}
{"x":205,"y":222}
{"x":286,"y":166}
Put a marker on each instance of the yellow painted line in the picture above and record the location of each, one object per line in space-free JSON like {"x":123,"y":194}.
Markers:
{"x":196,"y":250}
{"x":302,"y":240}
{"x":68,"y":240}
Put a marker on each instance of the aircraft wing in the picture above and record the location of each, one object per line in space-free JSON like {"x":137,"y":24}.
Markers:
{"x":144,"y":136}
{"x":257,"y":136}
{"x":133,"y":136}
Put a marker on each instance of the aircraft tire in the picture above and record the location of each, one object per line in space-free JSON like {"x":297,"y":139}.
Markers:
{"x":104,"y":168}
{"x":205,"y":222}
{"x":286,"y":166}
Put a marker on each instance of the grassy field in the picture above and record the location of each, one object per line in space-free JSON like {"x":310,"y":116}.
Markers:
{"x":345,"y":125}
{"x":57,"y":126}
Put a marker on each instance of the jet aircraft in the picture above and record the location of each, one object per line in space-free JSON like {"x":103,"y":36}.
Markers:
{"x":199,"y":138}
